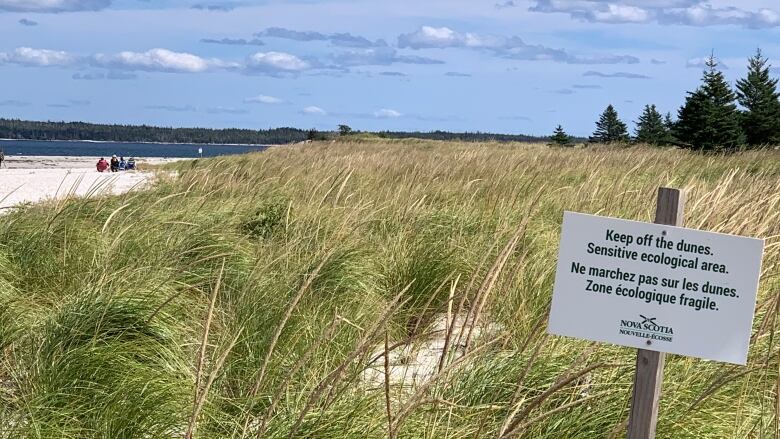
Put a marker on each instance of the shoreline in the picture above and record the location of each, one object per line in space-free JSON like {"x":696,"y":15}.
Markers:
{"x":20,"y":186}
{"x":267,"y":145}
{"x":81,"y":163}
{"x":35,"y":179}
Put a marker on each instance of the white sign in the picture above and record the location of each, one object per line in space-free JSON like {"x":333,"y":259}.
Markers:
{"x":200,"y":150}
{"x":656,"y":287}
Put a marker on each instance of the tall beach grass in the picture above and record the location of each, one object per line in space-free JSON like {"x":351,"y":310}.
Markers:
{"x":251,"y":296}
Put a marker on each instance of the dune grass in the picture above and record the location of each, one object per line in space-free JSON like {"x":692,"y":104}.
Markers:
{"x":250,"y":296}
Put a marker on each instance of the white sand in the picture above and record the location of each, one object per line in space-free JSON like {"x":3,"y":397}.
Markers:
{"x":60,"y":162}
{"x":413,"y":364}
{"x":32,"y":179}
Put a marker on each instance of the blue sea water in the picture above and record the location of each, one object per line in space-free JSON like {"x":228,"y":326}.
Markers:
{"x":107,"y":149}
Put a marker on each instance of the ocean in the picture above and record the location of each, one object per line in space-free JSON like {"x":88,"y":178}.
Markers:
{"x":121,"y":149}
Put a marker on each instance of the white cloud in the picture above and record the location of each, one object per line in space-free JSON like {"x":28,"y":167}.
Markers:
{"x":701,"y":63}
{"x":263,"y":99}
{"x":428,"y":37}
{"x":276,"y":62}
{"x":312,"y":110}
{"x":53,"y":5}
{"x":621,"y":14}
{"x":706,"y":15}
{"x":27,"y":56}
{"x":624,"y":75}
{"x":386,"y":113}
{"x":442,"y":37}
{"x":111,"y":75}
{"x":768,"y":16}
{"x":381,"y":56}
{"x":506,"y":4}
{"x":157,"y":60}
{"x":227,"y":7}
{"x":680,"y":12}
{"x":233,"y":41}
{"x":338,"y":39}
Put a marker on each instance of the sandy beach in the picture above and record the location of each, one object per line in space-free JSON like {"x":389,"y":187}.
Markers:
{"x":62,"y":162}
{"x":26,"y":179}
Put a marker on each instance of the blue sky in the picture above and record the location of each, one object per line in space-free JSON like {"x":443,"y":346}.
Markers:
{"x":511,"y":66}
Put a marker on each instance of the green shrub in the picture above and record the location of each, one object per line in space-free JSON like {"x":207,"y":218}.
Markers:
{"x":268,"y":219}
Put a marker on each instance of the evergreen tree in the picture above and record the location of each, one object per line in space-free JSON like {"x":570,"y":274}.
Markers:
{"x":650,"y":128}
{"x":709,"y":119}
{"x":560,"y":138}
{"x":670,"y":127}
{"x":668,"y":122}
{"x":758,"y":95}
{"x":691,"y":127}
{"x":610,"y":128}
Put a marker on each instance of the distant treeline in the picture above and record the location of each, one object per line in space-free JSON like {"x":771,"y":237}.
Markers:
{"x":31,"y":130}
{"x":467,"y":137}
{"x":20,"y":129}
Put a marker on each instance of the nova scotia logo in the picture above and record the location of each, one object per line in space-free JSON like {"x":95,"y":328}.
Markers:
{"x":646,"y":320}
{"x":647,"y":328}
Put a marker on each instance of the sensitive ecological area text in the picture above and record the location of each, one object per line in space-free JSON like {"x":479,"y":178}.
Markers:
{"x":656,"y":287}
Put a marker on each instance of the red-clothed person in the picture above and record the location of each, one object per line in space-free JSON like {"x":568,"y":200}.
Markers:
{"x":102,"y":165}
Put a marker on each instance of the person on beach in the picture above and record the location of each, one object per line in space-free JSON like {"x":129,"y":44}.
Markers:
{"x":122,"y":164}
{"x":102,"y":165}
{"x":131,"y":164}
{"x":114,"y":164}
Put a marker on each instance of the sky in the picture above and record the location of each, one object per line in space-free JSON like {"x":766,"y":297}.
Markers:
{"x":508,"y":66}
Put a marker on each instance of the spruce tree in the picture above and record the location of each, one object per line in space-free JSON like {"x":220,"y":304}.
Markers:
{"x":610,"y":128}
{"x":560,"y":138}
{"x":709,"y":119}
{"x":650,"y":128}
{"x":758,"y":95}
{"x":691,"y":127}
{"x":669,"y":124}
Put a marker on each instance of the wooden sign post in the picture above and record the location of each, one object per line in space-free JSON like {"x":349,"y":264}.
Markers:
{"x":649,"y":373}
{"x":657,"y":288}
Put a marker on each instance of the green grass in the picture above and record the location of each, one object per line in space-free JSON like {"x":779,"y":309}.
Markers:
{"x":248,"y":296}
